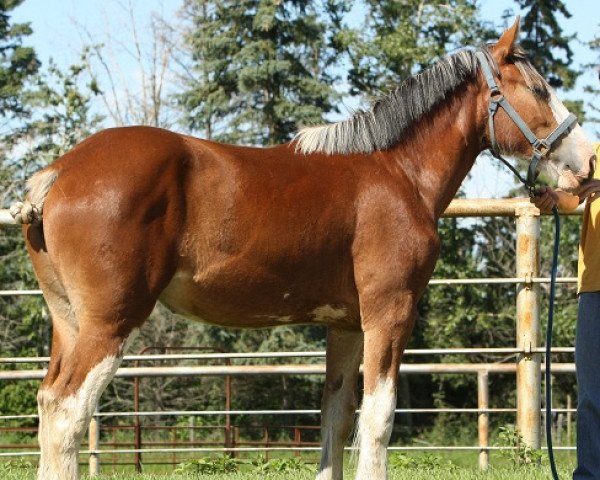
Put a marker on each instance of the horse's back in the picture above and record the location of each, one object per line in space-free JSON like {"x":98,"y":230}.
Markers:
{"x":193,"y":221}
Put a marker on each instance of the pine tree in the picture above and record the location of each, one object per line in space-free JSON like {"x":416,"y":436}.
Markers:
{"x":260,"y":68}
{"x":401,"y":37}
{"x":543,"y":38}
{"x":593,"y":89}
{"x":61,"y":117}
{"x":17,"y":62}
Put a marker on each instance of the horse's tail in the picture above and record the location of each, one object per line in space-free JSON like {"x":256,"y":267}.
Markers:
{"x":31,"y":210}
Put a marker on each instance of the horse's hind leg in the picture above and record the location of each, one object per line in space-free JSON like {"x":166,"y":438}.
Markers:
{"x":64,"y":333}
{"x":344,"y":349}
{"x":62,"y":342}
{"x":88,"y":339}
{"x":67,"y":404}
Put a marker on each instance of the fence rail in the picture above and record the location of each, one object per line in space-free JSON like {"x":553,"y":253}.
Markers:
{"x":483,"y":410}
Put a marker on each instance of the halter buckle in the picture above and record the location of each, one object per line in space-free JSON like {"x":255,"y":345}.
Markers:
{"x":495,"y":101}
{"x":541,"y":148}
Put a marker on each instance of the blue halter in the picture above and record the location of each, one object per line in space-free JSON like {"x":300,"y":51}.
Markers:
{"x":541,"y":147}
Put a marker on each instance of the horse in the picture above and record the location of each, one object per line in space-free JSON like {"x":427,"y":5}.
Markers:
{"x":337,"y":227}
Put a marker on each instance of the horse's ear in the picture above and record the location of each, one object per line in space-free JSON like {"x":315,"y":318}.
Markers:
{"x":508,"y":41}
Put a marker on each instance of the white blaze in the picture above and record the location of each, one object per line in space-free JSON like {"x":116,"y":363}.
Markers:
{"x":572,"y":153}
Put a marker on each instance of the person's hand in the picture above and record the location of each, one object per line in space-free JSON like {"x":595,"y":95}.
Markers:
{"x":590,"y":190}
{"x":546,"y":199}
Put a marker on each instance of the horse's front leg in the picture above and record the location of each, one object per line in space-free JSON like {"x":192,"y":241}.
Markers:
{"x":387,"y":327}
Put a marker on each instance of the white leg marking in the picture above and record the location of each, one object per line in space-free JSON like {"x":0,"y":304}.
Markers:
{"x":325,"y":473}
{"x":64,"y":421}
{"x":374,"y":429}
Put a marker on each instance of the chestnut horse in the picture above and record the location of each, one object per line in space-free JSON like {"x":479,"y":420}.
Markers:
{"x":338,"y":227}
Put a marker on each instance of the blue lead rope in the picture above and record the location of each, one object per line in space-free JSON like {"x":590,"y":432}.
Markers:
{"x":549,"y":344}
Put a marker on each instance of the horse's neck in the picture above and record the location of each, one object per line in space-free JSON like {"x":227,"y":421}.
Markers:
{"x":443,"y":149}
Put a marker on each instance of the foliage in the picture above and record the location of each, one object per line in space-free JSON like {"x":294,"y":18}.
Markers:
{"x":400,"y":38}
{"x":208,"y":466}
{"x":594,"y":88}
{"x":16,"y":469}
{"x":548,"y":47}
{"x":17,"y":62}
{"x":426,"y":462}
{"x":258,"y":68}
{"x":517,"y":450}
{"x":293,"y":464}
{"x":19,"y":318}
{"x":62,"y":118}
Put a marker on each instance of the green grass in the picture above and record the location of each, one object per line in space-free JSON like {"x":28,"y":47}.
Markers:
{"x":427,"y":470}
{"x":530,"y":473}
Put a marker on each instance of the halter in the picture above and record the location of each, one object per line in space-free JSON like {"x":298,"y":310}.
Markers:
{"x":541,"y":148}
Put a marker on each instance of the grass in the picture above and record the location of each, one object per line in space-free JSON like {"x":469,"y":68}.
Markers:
{"x":425,"y":468}
{"x":523,"y":473}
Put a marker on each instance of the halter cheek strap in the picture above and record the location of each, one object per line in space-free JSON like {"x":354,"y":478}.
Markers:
{"x":541,"y":147}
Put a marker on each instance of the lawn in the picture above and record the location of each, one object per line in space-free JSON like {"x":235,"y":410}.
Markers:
{"x":414,"y":471}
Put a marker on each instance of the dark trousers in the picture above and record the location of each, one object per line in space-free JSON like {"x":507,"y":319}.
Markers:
{"x":587,"y":359}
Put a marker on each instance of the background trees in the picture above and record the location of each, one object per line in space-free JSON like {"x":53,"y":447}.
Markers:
{"x":259,"y":68}
{"x":399,"y":38}
{"x":593,"y":88}
{"x":543,"y":37}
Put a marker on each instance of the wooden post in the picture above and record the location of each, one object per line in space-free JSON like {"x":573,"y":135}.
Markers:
{"x":483,"y":420}
{"x":569,"y":420}
{"x":94,"y":445}
{"x":528,"y":327}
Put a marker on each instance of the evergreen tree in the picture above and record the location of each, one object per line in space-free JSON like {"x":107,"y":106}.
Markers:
{"x":543,"y":38}
{"x":260,"y":68}
{"x":594,"y":88}
{"x":401,"y":37}
{"x":17,"y":62}
{"x":62,"y":118}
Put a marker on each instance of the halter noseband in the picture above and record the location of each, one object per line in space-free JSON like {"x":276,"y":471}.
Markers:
{"x":541,"y":148}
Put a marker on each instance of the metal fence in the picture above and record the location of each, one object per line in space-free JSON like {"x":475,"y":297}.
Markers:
{"x":233,"y":443}
{"x":528,"y":366}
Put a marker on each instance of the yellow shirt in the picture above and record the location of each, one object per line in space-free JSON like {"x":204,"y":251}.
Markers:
{"x":589,"y":247}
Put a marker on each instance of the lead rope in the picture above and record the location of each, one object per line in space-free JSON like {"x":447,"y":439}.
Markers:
{"x":549,"y":327}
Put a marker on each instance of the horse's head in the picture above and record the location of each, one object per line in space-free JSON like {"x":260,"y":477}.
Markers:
{"x":569,"y":159}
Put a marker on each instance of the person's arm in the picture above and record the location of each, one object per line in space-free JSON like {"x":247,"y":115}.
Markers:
{"x":565,"y":201}
{"x":547,"y":198}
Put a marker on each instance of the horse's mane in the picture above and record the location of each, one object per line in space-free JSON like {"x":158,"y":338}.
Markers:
{"x":382,"y":126}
